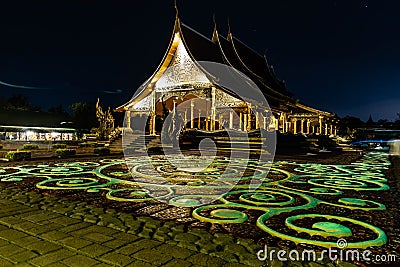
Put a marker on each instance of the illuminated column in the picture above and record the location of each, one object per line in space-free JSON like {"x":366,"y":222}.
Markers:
{"x":245,"y":122}
{"x":331,"y":130}
{"x":308,"y":126}
{"x":248,"y":126}
{"x":335,"y":130}
{"x":185,"y":118}
{"x":320,"y":124}
{"x":192,"y":114}
{"x":231,"y":120}
{"x":257,"y":117}
{"x":265,"y":122}
{"x":276,"y":124}
{"x":326,"y":129}
{"x":302,"y":126}
{"x":153,"y":113}
{"x":240,"y":121}
{"x":220,"y":122}
{"x":294,"y":126}
{"x":198,"y":120}
{"x":128,"y":119}
{"x":213,"y":108}
{"x":313,"y":129}
{"x":284,"y":123}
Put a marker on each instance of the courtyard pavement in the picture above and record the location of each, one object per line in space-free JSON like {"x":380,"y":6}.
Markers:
{"x":38,"y":230}
{"x":34,"y":231}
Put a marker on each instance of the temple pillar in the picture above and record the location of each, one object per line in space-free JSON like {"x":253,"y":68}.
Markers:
{"x":308,"y":126}
{"x":283,"y":123}
{"x":220,"y":122}
{"x":231,"y":120}
{"x":248,"y":128}
{"x":335,"y":131}
{"x":257,"y":117}
{"x":302,"y":126}
{"x":198,"y":120}
{"x":128,"y":119}
{"x":192,"y":114}
{"x":153,"y":114}
{"x":244,"y":122}
{"x":213,"y":108}
{"x":331,"y":130}
{"x":320,"y":125}
{"x":294,"y":126}
{"x":240,"y":121}
{"x":185,"y":118}
{"x":276,"y":124}
{"x":326,"y":129}
{"x":265,"y":123}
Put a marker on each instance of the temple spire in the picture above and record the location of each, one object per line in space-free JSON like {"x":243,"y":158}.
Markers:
{"x":229,"y":30}
{"x":215,"y":32}
{"x":176,"y":9}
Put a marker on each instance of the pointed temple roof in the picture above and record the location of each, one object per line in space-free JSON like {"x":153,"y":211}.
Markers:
{"x":230,"y":51}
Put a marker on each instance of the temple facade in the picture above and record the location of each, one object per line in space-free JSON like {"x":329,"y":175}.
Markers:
{"x":203,"y":104}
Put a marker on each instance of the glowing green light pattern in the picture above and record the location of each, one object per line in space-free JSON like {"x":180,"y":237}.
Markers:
{"x":281,"y":193}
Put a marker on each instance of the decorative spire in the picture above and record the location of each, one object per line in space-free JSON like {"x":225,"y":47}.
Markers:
{"x":229,"y":30}
{"x":215,"y":32}
{"x":176,"y":8}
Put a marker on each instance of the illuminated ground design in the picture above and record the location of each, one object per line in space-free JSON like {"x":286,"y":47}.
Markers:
{"x":303,"y":205}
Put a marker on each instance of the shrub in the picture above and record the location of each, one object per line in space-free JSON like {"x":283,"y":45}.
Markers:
{"x":65,"y":152}
{"x":102,"y":151}
{"x":57,"y":146}
{"x":18,"y":155}
{"x":30,"y":146}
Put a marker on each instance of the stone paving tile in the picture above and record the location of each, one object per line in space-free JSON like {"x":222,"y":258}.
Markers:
{"x":11,"y":234}
{"x":116,"y":243}
{"x":116,"y":258}
{"x":43,"y":247}
{"x":177,"y":263}
{"x":75,"y":242}
{"x":10,"y":249}
{"x":152,"y":256}
{"x":205,"y":260}
{"x":55,"y":235}
{"x":95,"y":250}
{"x":176,"y":252}
{"x":5,"y":263}
{"x":98,"y":237}
{"x":79,"y":260}
{"x":22,"y":256}
{"x":52,"y":257}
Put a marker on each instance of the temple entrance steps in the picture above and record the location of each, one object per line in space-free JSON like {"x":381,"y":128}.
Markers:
{"x":116,"y":145}
{"x":227,"y":145}
{"x":140,"y":142}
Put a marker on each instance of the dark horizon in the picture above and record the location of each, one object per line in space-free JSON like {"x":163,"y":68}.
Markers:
{"x":334,"y":55}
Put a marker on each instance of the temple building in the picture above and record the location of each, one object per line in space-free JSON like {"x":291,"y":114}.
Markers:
{"x":180,"y":79}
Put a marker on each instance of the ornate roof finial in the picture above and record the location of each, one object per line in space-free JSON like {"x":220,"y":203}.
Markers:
{"x":176,"y":8}
{"x":215,"y":32}
{"x":229,"y":30}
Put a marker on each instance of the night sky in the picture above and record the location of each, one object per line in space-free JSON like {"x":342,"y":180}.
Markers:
{"x":340,"y":56}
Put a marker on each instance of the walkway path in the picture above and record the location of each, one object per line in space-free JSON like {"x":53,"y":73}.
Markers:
{"x":30,"y":235}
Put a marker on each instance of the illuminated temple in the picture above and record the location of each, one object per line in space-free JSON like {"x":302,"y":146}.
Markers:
{"x":180,"y":79}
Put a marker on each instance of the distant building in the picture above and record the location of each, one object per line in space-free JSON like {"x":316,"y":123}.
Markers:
{"x":35,"y":126}
{"x":190,"y":81}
